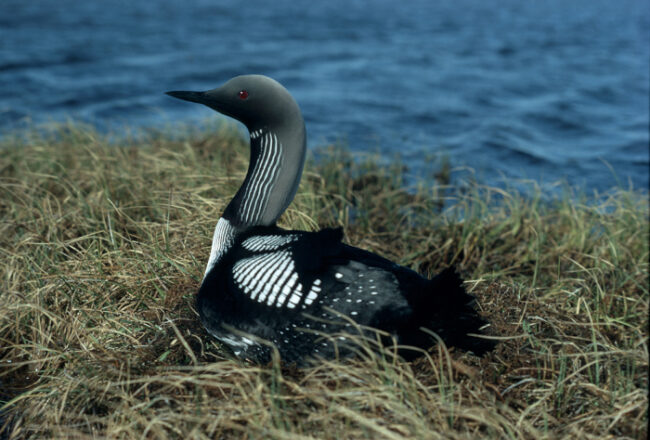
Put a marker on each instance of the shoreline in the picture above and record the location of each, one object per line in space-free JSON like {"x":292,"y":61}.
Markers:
{"x":425,"y":169}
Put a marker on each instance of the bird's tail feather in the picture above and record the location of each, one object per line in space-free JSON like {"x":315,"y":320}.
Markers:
{"x":444,"y":307}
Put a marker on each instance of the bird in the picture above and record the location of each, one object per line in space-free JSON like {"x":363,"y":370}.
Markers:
{"x":266,"y":288}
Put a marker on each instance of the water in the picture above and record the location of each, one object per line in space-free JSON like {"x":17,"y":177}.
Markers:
{"x":543,"y":90}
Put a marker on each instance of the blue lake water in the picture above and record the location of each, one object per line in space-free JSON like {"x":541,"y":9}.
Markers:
{"x":545,"y":90}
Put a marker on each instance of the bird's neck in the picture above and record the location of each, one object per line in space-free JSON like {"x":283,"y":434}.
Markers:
{"x":271,"y":182}
{"x":276,"y":162}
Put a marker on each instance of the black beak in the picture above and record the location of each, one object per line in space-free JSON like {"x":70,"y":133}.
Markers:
{"x":208,"y":98}
{"x":189,"y":96}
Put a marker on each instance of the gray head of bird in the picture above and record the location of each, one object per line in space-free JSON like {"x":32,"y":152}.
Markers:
{"x":255,"y":100}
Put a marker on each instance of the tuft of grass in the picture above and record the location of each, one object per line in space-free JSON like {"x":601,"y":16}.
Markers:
{"x":103,"y":247}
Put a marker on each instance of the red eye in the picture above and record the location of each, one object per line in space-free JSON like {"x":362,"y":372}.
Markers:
{"x":243,"y":94}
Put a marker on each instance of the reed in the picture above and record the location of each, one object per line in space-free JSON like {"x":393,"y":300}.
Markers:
{"x":103,"y":247}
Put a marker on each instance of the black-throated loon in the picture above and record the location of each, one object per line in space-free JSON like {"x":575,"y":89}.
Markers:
{"x":291,"y":287}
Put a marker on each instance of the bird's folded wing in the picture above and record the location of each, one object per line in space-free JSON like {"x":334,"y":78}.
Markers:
{"x":285,"y":270}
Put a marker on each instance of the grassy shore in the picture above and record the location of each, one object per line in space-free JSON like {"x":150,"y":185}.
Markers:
{"x":104,"y":246}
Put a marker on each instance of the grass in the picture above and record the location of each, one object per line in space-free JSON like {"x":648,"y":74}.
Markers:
{"x":103,"y":247}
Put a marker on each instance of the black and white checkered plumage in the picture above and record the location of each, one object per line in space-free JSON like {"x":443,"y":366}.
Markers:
{"x":265,"y":286}
{"x":292,"y":287}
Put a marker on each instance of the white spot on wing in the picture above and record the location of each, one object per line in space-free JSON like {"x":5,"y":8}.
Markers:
{"x":311,"y":296}
{"x":294,"y":299}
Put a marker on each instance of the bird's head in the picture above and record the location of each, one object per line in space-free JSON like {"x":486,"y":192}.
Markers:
{"x":255,"y":100}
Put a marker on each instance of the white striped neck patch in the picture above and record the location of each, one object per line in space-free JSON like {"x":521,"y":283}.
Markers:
{"x":256,"y":191}
{"x":222,"y":240}
{"x":256,"y":133}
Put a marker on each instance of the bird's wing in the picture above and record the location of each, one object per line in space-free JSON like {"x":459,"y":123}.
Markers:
{"x":285,"y":269}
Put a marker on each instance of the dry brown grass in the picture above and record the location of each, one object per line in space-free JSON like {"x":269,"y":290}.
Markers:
{"x":103,"y":248}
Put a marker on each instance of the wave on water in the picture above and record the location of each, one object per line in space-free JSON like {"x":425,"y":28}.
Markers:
{"x":534,"y":89}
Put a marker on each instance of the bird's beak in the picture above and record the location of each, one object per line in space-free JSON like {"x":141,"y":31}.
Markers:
{"x":209,"y":98}
{"x":199,"y":97}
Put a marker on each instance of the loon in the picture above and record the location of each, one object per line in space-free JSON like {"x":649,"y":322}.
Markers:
{"x":298,"y":291}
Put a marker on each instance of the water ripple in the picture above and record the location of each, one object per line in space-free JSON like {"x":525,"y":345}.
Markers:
{"x":529,"y":89}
